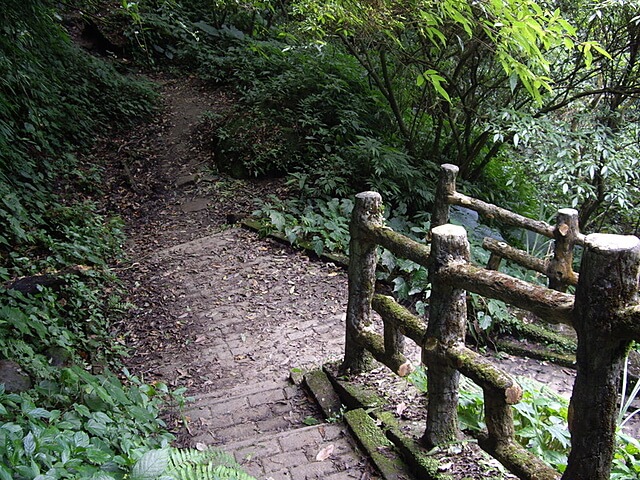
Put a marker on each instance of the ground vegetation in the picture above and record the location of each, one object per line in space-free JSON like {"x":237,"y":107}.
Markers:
{"x":63,"y":413}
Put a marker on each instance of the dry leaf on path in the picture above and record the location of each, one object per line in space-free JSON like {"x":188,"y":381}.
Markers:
{"x":325,"y":453}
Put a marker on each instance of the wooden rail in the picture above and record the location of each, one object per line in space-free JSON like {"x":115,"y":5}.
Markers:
{"x":603,"y":312}
{"x":566,"y":233}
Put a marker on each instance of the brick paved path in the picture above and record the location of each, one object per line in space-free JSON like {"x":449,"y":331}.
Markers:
{"x":255,"y":310}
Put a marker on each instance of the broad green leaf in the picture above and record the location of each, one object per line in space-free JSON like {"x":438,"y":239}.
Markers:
{"x":96,"y":428}
{"x":5,"y":474}
{"x":80,"y":439}
{"x":278,"y":220}
{"x":151,"y":465}
{"x":29,"y":443}
{"x":38,"y":413}
{"x":97,"y":455}
{"x":16,"y":318}
{"x":82,"y":410}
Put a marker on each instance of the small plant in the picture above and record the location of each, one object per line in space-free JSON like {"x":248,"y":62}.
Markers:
{"x":337,"y":416}
{"x":484,"y":317}
{"x":626,"y":400}
{"x":323,"y":226}
{"x":626,"y":461}
{"x":80,"y":425}
{"x":187,"y":464}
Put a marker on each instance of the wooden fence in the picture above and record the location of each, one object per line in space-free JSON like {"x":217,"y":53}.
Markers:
{"x":604,"y":312}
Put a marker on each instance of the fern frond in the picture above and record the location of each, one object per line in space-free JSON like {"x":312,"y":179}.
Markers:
{"x":210,"y":464}
{"x":186,"y":456}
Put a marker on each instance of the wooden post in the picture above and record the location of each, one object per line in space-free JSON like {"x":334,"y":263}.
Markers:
{"x":560,"y":268}
{"x":393,"y":340}
{"x":608,"y":283}
{"x":367,"y":211}
{"x":446,"y":186}
{"x":494,"y":262}
{"x":447,"y":322}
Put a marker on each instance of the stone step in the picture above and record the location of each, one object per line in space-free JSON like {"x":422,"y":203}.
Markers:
{"x":263,"y":426}
{"x":240,"y":390}
{"x":248,"y":410}
{"x":324,"y":451}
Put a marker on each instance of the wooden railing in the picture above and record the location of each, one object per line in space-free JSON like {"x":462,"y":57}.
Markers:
{"x":604,"y":313}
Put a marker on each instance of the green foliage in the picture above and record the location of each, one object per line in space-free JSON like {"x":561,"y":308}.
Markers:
{"x":53,"y":98}
{"x":540,"y":421}
{"x":352,"y":96}
{"x":187,"y":464}
{"x":305,"y":111}
{"x":626,"y":459}
{"x":310,"y":113}
{"x":485,"y":316}
{"x":446,"y":68}
{"x":587,"y":163}
{"x":81,"y":425}
{"x":627,"y":397}
{"x":324,"y":225}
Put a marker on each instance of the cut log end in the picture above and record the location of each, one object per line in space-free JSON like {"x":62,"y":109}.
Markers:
{"x":369,"y":195}
{"x":449,"y":230}
{"x":606,"y":242}
{"x":568,"y":212}
{"x":450,"y":167}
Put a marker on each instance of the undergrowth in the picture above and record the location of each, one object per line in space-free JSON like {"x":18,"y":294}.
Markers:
{"x":78,"y":419}
{"x":323,"y":226}
{"x":540,"y":421}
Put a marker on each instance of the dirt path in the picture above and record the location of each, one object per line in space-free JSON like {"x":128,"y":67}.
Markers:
{"x":222,"y":311}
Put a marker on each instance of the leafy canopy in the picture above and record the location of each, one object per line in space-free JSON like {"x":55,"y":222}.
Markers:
{"x":519,"y":34}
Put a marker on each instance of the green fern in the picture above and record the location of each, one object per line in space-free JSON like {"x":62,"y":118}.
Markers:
{"x":187,"y":464}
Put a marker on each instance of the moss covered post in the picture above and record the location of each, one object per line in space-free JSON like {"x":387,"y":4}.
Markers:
{"x":447,"y":321}
{"x":363,"y":257}
{"x":608,"y":285}
{"x":446,"y":186}
{"x":560,"y":268}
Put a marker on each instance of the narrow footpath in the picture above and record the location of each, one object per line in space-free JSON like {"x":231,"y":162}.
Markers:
{"x":223,"y":312}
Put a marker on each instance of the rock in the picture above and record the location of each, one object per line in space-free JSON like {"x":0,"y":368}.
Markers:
{"x":58,"y":356}
{"x":195,"y":205}
{"x":470,"y":220}
{"x":186,"y":180}
{"x":13,"y":378}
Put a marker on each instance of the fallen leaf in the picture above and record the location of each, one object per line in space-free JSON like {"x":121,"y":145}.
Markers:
{"x":309,"y":421}
{"x":324,"y":453}
{"x":405,"y":369}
